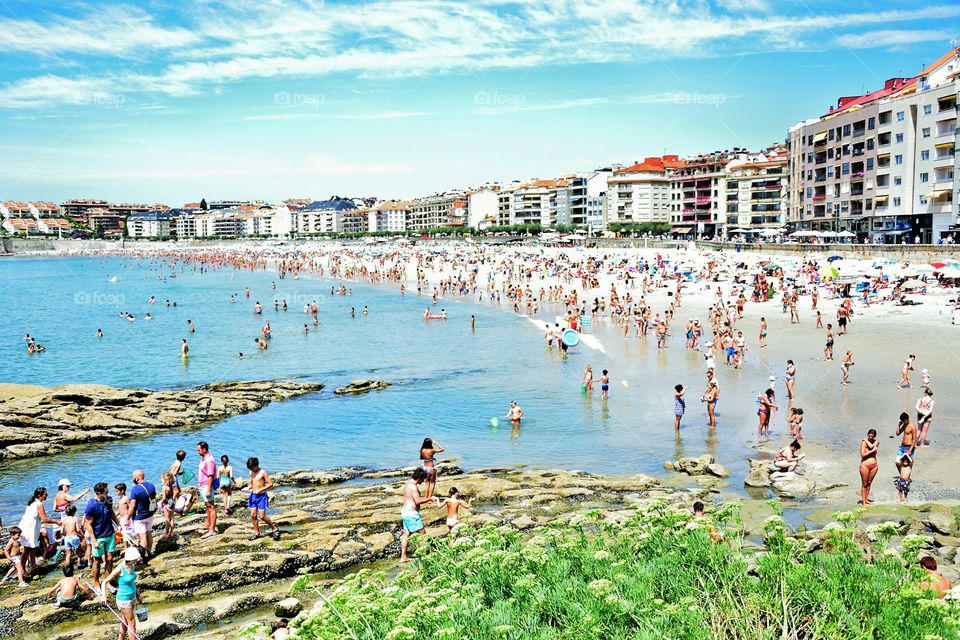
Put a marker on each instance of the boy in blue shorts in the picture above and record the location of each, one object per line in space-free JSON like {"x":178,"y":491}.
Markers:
{"x":259,"y":500}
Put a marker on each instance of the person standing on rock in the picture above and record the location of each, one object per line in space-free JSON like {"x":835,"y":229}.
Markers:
{"x":206,"y":477}
{"x":428,"y":450}
{"x":34,"y":517}
{"x":410,"y":513}
{"x":259,"y":500}
{"x":99,"y":523}
{"x":143,"y":504}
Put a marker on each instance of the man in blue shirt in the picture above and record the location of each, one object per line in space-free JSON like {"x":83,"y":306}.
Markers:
{"x":99,"y":521}
{"x":143,"y":503}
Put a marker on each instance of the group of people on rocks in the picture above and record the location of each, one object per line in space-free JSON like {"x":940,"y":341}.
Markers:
{"x":114,"y":534}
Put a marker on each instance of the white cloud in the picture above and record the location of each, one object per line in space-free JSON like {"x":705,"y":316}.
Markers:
{"x":889,"y":38}
{"x":221,"y":43}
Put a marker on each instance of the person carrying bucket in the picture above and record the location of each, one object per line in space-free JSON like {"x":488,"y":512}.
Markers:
{"x":127,"y":612}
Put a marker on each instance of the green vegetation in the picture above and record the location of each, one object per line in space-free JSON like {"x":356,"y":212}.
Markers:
{"x":655,"y":228}
{"x":661,"y":574}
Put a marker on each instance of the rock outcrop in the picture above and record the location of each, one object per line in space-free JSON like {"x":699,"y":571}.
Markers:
{"x":786,"y":484}
{"x":37,"y":421}
{"x":195,"y":582}
{"x":362,"y":386}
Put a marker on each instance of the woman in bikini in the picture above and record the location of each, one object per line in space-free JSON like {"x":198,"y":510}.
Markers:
{"x":428,"y":449}
{"x":868,"y":464}
{"x":790,"y":378}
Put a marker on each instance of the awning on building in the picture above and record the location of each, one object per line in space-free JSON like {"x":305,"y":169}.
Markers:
{"x":937,"y":193}
{"x":945,"y":145}
{"x":820,"y":137}
{"x":682,"y":229}
{"x":881,"y":199}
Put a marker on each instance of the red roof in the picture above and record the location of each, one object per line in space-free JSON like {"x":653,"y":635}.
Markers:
{"x":893,"y":85}
{"x":655,"y":165}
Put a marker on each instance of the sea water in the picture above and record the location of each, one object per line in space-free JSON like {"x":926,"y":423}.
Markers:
{"x":447,"y":381}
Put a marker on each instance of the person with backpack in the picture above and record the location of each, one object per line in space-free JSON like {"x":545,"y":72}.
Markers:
{"x":143,"y":504}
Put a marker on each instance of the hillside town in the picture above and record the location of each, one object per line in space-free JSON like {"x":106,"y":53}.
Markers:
{"x":877,"y":168}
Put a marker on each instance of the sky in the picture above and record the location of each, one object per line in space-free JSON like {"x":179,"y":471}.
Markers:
{"x":269,"y":99}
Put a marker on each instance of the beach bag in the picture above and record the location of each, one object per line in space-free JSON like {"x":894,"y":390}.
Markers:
{"x":216,"y":483}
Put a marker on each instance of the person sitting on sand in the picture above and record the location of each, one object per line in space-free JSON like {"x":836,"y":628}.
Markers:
{"x":454,"y":503}
{"x":787,"y":458}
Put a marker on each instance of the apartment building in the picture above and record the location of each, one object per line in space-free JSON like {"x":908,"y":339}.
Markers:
{"x":756,"y":192}
{"x":482,"y":205}
{"x":335,"y":215}
{"x":882,"y":165}
{"x":699,"y":194}
{"x":77,"y":208}
{"x":151,"y":224}
{"x":447,"y":209}
{"x":32,"y":218}
{"x":642,"y":192}
{"x":388,"y":216}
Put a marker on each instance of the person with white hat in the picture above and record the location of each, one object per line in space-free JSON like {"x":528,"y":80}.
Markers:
{"x":126,"y":576}
{"x":63,"y":498}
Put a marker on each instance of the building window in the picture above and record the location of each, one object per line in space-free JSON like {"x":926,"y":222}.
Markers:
{"x":830,"y":171}
{"x":869,"y":164}
{"x":924,"y":155}
{"x":900,"y":115}
{"x":924,"y":177}
{"x":871,"y":122}
{"x":846,"y":168}
{"x":897,"y":181}
{"x":926,"y":132}
{"x":846,"y":130}
{"x":898,"y":159}
{"x":899,"y":137}
{"x":869,"y":144}
{"x":923,"y":200}
{"x":830,"y":134}
{"x":927,"y":109}
{"x":809,"y":192}
{"x":896,"y":202}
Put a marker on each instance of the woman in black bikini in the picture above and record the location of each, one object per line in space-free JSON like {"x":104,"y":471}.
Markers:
{"x":428,"y":449}
{"x":868,"y":464}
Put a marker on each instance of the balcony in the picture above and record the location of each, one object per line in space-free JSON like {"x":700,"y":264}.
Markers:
{"x":858,"y":132}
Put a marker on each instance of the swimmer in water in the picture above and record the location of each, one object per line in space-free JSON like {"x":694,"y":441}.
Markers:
{"x":604,"y":385}
{"x":99,"y":333}
{"x":148,"y":317}
{"x":516,"y":413}
{"x":184,"y":349}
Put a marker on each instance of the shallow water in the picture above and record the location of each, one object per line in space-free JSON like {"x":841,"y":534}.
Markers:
{"x":449,"y":382}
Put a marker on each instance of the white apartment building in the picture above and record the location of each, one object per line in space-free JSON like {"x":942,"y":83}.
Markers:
{"x":756,"y":192}
{"x":482,"y":204}
{"x":150,"y":224}
{"x":641,"y":192}
{"x":388,"y":216}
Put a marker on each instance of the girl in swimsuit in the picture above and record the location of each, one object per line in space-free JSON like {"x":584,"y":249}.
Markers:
{"x":225,"y":473}
{"x":167,"y":502}
{"x":924,"y":416}
{"x":428,"y":449}
{"x":868,"y":464}
{"x":679,"y":406}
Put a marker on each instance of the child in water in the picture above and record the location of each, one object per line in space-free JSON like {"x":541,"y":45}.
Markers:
{"x":454,"y":503}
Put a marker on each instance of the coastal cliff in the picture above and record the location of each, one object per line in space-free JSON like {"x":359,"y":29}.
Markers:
{"x":39,"y":421}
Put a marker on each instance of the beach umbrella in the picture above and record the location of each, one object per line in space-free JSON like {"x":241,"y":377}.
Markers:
{"x":846,"y":234}
{"x":912,"y":284}
{"x":828,"y":271}
{"x":834,"y":258}
{"x":920,"y":268}
{"x":951,"y":271}
{"x":938,"y":265}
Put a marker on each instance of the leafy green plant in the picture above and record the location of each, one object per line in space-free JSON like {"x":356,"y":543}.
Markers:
{"x":660,"y":574}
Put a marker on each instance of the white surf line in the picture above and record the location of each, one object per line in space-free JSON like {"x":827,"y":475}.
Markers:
{"x":587,"y":340}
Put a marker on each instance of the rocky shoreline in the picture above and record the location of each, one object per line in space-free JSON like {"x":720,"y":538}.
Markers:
{"x":40,"y":421}
{"x":336,"y":520}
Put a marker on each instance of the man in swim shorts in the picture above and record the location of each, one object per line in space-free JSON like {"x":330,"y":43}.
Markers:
{"x":909,"y":442}
{"x":259,"y":500}
{"x":100,"y":520}
{"x":410,"y":513}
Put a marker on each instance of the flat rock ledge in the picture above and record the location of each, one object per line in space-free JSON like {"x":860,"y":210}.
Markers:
{"x":786,"y":484}
{"x":324,"y":529}
{"x":362,"y":386}
{"x":39,"y":421}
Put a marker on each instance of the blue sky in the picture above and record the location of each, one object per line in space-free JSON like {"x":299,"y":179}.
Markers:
{"x":170,"y":102}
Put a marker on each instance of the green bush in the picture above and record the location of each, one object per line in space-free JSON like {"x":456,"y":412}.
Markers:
{"x":662,"y":574}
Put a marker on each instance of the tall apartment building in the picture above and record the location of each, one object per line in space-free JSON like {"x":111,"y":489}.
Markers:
{"x":335,"y":215}
{"x":882,"y":165}
{"x":756,"y":191}
{"x":699,"y":194}
{"x":388,"y":216}
{"x":642,"y":192}
{"x":151,"y":224}
{"x":447,"y":209}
